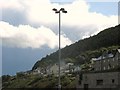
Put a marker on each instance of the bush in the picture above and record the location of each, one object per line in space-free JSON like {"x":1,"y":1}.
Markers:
{"x":20,"y":74}
{"x":6,"y":78}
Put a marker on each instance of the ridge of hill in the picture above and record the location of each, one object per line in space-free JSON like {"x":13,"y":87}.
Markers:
{"x":84,"y":49}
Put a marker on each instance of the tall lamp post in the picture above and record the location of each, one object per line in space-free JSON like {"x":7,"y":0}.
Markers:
{"x":59,"y":12}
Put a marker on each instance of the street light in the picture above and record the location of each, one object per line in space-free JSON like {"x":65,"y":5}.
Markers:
{"x":59,"y":12}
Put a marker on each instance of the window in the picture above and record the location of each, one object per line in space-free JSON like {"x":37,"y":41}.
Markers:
{"x":104,"y":68}
{"x":100,"y":61}
{"x":117,"y":58}
{"x":104,"y":61}
{"x":96,"y":69}
{"x":117,"y":64}
{"x":113,"y":59}
{"x":99,"y":82}
{"x":113,"y":81}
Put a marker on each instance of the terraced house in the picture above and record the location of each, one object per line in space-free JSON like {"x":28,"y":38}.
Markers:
{"x":105,"y":73}
{"x":107,"y":62}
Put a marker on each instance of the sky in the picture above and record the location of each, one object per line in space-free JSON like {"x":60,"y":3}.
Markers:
{"x":29,"y":28}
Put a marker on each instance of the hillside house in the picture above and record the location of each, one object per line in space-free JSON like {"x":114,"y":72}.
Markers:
{"x":53,"y":69}
{"x":105,"y":73}
{"x":65,"y":68}
{"x":107,"y":62}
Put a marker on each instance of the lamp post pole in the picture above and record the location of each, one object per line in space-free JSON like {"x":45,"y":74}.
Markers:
{"x":59,"y":48}
{"x":59,"y":12}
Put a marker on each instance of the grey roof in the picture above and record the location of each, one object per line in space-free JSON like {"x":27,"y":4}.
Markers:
{"x":103,"y":57}
{"x":110,"y":55}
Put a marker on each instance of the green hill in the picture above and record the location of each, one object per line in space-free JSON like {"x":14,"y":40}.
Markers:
{"x":85,"y":49}
{"x":78,"y":53}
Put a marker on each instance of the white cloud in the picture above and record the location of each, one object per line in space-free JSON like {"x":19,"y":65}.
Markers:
{"x":78,"y":14}
{"x":86,"y":23}
{"x":25,"y":36}
{"x":11,"y":4}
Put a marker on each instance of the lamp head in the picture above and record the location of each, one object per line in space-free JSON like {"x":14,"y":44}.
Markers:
{"x":64,"y":11}
{"x":54,"y":9}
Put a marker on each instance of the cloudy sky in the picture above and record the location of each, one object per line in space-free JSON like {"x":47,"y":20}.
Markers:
{"x":29,"y":28}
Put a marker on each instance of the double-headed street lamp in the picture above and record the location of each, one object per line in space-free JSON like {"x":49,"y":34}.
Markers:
{"x":59,"y":12}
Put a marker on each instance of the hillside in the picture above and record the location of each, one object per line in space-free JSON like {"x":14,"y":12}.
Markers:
{"x":36,"y":82}
{"x":77,"y":53}
{"x":85,"y":49}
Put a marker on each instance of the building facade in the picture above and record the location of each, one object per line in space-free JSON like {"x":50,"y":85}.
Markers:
{"x":105,"y":73}
{"x":107,"y":62}
{"x":100,"y":80}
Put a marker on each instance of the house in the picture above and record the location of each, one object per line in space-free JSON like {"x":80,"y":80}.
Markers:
{"x":107,"y":79}
{"x":67,"y":68}
{"x":77,"y":68}
{"x":105,"y":73}
{"x":54,"y":69}
{"x":64,"y":68}
{"x":107,"y":62}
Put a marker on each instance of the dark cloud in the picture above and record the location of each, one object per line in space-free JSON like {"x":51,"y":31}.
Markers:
{"x":14,"y":17}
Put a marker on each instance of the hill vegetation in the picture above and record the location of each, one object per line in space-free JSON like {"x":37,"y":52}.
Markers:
{"x":37,"y":81}
{"x":78,"y":53}
{"x":84,"y":50}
